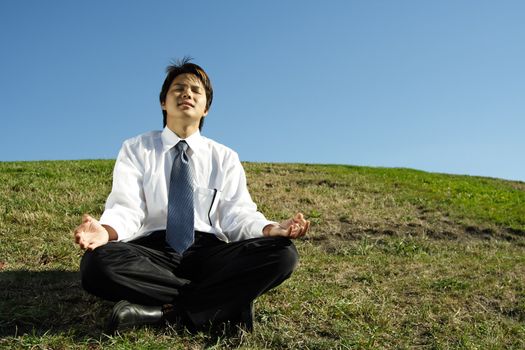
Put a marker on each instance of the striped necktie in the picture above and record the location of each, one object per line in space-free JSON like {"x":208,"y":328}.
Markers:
{"x":180,"y":225}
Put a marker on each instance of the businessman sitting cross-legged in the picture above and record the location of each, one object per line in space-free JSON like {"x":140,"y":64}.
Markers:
{"x":180,"y":239}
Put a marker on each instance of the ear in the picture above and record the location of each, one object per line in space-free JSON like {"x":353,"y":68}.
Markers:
{"x":163,"y":106}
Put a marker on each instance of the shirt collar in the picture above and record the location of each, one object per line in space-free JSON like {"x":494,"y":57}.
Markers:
{"x":170,"y":139}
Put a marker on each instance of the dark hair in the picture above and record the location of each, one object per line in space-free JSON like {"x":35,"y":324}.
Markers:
{"x":184,"y":66}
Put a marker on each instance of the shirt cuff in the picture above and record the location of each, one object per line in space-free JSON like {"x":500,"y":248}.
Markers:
{"x":260,"y":225}
{"x":116,"y":224}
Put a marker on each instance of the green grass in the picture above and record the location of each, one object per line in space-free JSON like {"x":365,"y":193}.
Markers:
{"x":396,"y":258}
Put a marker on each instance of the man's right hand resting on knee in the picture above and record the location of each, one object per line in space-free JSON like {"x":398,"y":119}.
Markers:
{"x":91,"y":234}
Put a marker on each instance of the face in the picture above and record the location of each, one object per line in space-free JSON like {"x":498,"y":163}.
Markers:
{"x":185,"y":101}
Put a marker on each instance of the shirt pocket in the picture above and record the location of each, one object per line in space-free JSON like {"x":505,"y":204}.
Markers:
{"x":206,"y":200}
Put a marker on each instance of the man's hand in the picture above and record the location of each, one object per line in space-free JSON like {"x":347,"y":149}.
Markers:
{"x":91,"y":234}
{"x":295,"y":227}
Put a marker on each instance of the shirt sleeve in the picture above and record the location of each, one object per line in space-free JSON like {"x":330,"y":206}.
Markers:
{"x":125,"y":208}
{"x":240,"y":219}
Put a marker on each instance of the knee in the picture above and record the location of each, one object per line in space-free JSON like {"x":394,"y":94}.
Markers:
{"x":88,"y":267}
{"x":94,"y":267}
{"x":287,"y":257}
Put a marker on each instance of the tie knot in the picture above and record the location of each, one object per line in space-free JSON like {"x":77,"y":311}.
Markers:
{"x":182,"y":146}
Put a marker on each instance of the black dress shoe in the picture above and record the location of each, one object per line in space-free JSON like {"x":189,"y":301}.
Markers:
{"x":126,"y":315}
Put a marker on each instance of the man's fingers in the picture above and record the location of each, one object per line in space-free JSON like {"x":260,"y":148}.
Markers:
{"x":80,"y":239}
{"x":305,"y":228}
{"x":290,"y":231}
{"x":296,"y":232}
{"x":92,"y":246}
{"x":299,"y":229}
{"x":81,"y":229}
{"x":296,"y":229}
{"x":86,"y":218}
{"x":84,"y":233}
{"x":287,"y":223}
{"x":299,"y":217}
{"x":286,"y":232}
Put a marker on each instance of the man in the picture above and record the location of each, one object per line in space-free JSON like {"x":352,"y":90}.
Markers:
{"x":180,"y":239}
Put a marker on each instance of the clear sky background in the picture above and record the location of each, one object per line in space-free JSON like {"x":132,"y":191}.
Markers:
{"x":431,"y":85}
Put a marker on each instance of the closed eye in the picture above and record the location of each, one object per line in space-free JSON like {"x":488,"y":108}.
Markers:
{"x":181,"y":87}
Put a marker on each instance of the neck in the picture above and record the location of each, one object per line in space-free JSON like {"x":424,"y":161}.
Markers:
{"x":183,"y":131}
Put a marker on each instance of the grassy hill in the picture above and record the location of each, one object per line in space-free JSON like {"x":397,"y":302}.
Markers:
{"x":396,"y":258}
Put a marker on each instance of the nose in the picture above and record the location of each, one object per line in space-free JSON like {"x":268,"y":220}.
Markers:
{"x":186,"y":92}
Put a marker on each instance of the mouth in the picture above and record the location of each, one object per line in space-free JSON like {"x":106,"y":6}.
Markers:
{"x":185,"y":104}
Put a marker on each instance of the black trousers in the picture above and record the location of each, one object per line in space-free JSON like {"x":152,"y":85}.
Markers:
{"x":212,"y":282}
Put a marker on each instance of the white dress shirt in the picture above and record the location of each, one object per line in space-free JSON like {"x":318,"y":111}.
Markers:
{"x":138,"y":202}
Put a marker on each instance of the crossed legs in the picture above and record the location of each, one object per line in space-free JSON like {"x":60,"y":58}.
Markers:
{"x":213,"y":282}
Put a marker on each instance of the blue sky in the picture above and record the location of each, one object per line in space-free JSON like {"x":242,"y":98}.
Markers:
{"x":431,"y":85}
